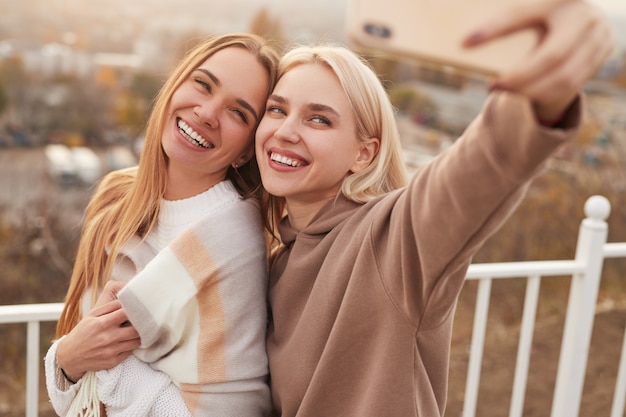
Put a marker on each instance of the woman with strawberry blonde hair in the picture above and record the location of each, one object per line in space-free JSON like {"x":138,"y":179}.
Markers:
{"x":185,"y":231}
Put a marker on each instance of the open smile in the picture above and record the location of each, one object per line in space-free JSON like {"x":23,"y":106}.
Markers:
{"x":284,"y":160}
{"x":192,"y":136}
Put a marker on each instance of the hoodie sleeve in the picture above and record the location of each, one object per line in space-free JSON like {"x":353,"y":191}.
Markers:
{"x":456,"y":202}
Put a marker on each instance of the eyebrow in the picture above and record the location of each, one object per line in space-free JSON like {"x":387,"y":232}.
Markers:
{"x":312,"y":106}
{"x":242,"y":102}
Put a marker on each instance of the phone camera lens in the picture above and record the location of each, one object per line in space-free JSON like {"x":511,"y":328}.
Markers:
{"x":376,"y":30}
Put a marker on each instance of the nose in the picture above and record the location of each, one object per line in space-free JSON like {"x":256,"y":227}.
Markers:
{"x":207,"y":113}
{"x":288,"y":131}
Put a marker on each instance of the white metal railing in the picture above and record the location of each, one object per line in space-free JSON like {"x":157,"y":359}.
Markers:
{"x":32,"y":315}
{"x":585,"y":270}
{"x":618,"y":250}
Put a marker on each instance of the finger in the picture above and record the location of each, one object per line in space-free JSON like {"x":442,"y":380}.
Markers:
{"x":122,"y":329}
{"x":114,"y":287}
{"x":123,"y":355}
{"x":509,"y":20}
{"x":554,"y":48}
{"x":570,"y":33}
{"x":105,"y":308}
{"x":109,"y":358}
{"x":118,"y":318}
{"x":129,"y":345}
{"x":110,"y":291}
{"x":566,"y":75}
{"x":128,"y":333}
{"x":554,"y":92}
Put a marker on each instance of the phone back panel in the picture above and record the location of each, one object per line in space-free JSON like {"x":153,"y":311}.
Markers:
{"x":432,"y":31}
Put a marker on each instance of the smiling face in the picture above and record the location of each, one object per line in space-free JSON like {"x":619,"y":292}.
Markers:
{"x":306,"y":143}
{"x":211,"y":120}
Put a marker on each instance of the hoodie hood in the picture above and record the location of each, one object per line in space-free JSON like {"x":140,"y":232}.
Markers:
{"x":330,"y":216}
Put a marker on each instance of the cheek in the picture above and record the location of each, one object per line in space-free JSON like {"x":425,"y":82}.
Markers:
{"x":258,"y":145}
{"x":263,"y":132}
{"x":339,"y":158}
{"x":241,"y":139}
{"x":180,"y":97}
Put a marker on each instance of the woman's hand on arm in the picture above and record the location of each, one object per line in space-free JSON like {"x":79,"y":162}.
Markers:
{"x":101,"y":340}
{"x":109,"y":293}
{"x":575,"y":40}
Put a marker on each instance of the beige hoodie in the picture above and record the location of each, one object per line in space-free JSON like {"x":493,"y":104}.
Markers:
{"x":363,"y":298}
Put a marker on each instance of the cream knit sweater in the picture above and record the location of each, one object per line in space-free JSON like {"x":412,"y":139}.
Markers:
{"x":199,"y":307}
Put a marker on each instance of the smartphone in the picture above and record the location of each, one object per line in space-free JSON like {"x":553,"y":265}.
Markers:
{"x":432,"y":31}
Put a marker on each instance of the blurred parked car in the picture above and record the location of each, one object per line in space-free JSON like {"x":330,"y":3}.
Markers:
{"x":87,"y":163}
{"x":60,"y":164}
{"x":73,"y":165}
{"x":119,"y":157}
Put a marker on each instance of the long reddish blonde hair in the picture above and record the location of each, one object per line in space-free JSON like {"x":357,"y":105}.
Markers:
{"x":126,"y":202}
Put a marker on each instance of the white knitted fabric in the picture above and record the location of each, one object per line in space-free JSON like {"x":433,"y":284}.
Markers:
{"x":130,"y":389}
{"x":133,"y":387}
{"x":86,"y":403}
{"x":60,"y":391}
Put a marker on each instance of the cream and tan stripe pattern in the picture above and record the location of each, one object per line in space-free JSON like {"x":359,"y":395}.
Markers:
{"x":200,"y":308}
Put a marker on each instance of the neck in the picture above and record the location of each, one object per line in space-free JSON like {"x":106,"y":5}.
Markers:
{"x":181,"y":185}
{"x":302,"y":212}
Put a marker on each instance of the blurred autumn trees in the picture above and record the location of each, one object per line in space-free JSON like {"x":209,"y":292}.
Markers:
{"x":270,"y":27}
{"x":545,"y":225}
{"x":620,"y":78}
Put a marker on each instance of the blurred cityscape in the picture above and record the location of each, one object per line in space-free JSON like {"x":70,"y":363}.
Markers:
{"x":80,"y":75}
{"x":84,"y":72}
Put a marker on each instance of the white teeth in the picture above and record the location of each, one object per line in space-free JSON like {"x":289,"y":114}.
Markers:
{"x":284,"y":160}
{"x":193,"y":136}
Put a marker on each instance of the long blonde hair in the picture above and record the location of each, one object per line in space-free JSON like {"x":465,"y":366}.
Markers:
{"x":126,"y":202}
{"x":375,"y":118}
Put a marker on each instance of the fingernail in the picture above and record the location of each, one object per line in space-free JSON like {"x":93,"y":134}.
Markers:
{"x":474,"y":38}
{"x":494,"y":85}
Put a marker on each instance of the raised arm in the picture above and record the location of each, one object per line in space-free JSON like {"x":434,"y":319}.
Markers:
{"x":461,"y":198}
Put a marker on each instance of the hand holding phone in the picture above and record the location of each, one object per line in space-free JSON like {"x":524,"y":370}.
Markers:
{"x":432,"y":31}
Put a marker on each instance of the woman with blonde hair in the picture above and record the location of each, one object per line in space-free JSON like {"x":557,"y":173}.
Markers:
{"x":185,"y":231}
{"x":363,"y":286}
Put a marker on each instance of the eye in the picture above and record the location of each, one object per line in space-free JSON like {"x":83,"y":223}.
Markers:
{"x":320,"y":120}
{"x":274,"y":110}
{"x":241,"y":114}
{"x":203,"y":84}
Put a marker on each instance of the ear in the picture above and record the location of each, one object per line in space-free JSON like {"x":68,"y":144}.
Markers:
{"x":243,"y":158}
{"x":367,"y":152}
